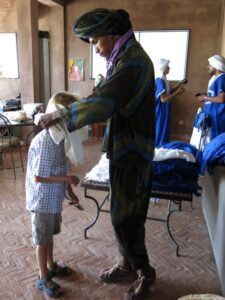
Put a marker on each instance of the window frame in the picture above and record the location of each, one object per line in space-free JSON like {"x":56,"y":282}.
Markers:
{"x":96,"y":60}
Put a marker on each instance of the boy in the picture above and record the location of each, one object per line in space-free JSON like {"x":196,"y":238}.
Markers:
{"x":46,"y":184}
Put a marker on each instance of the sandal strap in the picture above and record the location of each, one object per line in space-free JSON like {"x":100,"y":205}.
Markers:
{"x":49,"y":287}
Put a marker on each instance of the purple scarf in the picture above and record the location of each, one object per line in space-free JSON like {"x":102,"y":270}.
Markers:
{"x":119,"y":43}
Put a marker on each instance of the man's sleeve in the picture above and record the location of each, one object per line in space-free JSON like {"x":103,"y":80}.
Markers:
{"x":112,"y":96}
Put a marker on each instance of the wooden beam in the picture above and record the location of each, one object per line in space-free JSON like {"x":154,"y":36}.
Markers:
{"x":52,"y":3}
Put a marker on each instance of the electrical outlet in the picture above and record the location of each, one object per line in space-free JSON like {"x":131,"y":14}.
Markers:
{"x":181,"y":122}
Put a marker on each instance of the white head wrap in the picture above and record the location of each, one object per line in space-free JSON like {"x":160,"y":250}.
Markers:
{"x":218,"y":62}
{"x":162,"y":65}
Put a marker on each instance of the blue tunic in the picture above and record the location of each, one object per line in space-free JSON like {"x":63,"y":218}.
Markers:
{"x":216,"y":110}
{"x":162,"y":114}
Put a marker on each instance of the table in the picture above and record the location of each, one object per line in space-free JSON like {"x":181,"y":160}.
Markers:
{"x":172,"y":197}
{"x":21,"y":124}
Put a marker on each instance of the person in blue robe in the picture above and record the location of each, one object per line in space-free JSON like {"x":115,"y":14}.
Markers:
{"x":214,"y":101}
{"x":163,"y":94}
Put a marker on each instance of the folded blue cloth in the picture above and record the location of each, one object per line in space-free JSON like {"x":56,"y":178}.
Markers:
{"x":175,"y":175}
{"x":202,"y":120}
{"x":213,"y":154}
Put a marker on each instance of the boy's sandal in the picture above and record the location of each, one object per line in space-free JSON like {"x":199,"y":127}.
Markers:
{"x":49,"y":287}
{"x":59,"y":269}
{"x":117,"y":274}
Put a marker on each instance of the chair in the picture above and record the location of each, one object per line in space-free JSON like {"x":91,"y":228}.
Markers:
{"x":7,"y":143}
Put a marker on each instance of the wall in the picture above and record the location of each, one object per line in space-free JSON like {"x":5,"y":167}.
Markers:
{"x":222,"y":48}
{"x":26,"y":17}
{"x":203,"y":17}
{"x":51,"y":19}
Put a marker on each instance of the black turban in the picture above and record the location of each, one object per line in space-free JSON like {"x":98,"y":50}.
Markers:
{"x":102,"y":21}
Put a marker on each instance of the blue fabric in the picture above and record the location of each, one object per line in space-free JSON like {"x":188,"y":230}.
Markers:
{"x":202,"y":120}
{"x":162,"y":114}
{"x":213,"y":154}
{"x":176,"y":175}
{"x":216,"y":110}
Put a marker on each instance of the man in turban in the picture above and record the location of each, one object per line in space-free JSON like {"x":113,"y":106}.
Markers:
{"x":214,"y":101}
{"x":164,"y":92}
{"x":126,"y":96}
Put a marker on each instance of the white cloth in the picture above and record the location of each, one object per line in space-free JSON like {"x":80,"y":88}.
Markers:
{"x":218,"y":62}
{"x":163,"y":154}
{"x":100,"y":172}
{"x":72,"y":140}
{"x":37,"y":118}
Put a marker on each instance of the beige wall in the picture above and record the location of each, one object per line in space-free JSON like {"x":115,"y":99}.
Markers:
{"x":204,"y":18}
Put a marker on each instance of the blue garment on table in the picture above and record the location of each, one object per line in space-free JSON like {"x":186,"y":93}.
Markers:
{"x":162,"y":114}
{"x":213,"y":154}
{"x":216,"y":110}
{"x":175,"y":186}
{"x":175,"y":166}
{"x":175,"y":175}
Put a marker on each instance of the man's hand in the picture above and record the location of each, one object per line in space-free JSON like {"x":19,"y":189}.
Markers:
{"x":184,"y":81}
{"x":180,"y":90}
{"x":50,"y":119}
{"x":200,"y":98}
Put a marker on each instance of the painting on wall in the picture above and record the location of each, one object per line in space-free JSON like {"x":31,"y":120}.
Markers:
{"x":76,"y":69}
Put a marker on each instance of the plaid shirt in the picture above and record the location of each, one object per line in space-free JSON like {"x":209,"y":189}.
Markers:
{"x":45,"y":158}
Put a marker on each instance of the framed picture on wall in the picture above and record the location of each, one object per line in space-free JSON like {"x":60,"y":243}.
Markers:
{"x":76,"y":69}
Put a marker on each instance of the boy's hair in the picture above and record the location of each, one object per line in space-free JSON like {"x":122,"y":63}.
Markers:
{"x":63,"y":98}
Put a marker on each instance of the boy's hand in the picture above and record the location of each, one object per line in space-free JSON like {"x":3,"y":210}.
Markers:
{"x":73,"y":197}
{"x":74,"y":180}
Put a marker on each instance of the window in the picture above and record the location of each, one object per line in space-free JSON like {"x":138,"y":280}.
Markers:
{"x":8,"y":56}
{"x":168,"y":44}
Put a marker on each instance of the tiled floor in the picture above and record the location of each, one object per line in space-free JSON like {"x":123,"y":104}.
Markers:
{"x":194,"y":272}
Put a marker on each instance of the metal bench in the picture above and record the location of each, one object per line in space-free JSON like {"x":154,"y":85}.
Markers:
{"x":172,"y":197}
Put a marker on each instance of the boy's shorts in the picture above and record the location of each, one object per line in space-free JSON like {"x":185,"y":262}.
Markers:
{"x":44,"y":226}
